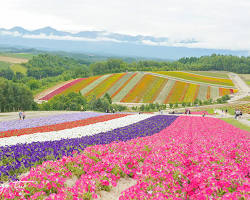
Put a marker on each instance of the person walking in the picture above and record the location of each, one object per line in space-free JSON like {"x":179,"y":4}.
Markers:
{"x":24,"y":115}
{"x":20,"y":115}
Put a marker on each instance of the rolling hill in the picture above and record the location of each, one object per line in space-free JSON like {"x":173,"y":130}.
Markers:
{"x":145,"y":87}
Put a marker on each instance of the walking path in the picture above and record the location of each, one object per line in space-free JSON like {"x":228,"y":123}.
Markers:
{"x":244,"y":89}
{"x":227,"y":115}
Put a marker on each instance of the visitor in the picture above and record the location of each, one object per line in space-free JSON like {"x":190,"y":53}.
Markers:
{"x":20,"y":114}
{"x":240,"y":114}
{"x":203,"y":115}
{"x":226,"y":111}
{"x":23,"y":115}
{"x":237,"y":114}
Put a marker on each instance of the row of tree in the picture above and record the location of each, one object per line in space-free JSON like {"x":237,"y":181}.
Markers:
{"x":76,"y":102}
{"x":14,"y":97}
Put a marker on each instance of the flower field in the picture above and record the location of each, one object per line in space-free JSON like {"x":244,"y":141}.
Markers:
{"x":141,"y":87}
{"x":168,"y":157}
{"x":61,"y":89}
{"x":198,"y":78}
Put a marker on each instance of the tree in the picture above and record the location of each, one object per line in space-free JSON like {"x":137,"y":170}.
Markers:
{"x":107,"y":96}
{"x":183,"y":104}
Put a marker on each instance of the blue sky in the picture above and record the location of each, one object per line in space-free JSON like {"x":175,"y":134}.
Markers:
{"x":222,"y":24}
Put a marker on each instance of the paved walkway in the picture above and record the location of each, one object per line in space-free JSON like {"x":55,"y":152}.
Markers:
{"x":244,"y":89}
{"x":227,"y":115}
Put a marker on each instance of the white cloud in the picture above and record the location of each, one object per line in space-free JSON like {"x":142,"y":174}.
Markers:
{"x":214,"y":23}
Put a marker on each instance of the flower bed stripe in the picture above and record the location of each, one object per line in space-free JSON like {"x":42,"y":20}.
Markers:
{"x":202,"y":94}
{"x":159,"y":90}
{"x":214,"y":92}
{"x":198,"y":78}
{"x":123,"y":85}
{"x":27,"y":155}
{"x":102,"y":87}
{"x":119,"y":83}
{"x":80,"y":85}
{"x":61,"y":89}
{"x":49,"y":120}
{"x":61,"y":126}
{"x":124,"y":91}
{"x":208,"y":92}
{"x":186,"y":91}
{"x":153,"y":90}
{"x":135,"y":94}
{"x":224,"y":91}
{"x":94,"y":84}
{"x":196,"y":92}
{"x":176,"y":93}
{"x":193,"y":158}
{"x":165,"y":91}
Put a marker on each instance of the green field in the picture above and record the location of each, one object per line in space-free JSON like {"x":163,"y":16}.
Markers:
{"x":4,"y":65}
{"x":213,"y":74}
{"x":236,"y":123}
{"x":18,"y":68}
{"x":18,"y":55}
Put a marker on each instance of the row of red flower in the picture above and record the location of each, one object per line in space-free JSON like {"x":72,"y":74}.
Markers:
{"x":61,"y":89}
{"x":61,"y":126}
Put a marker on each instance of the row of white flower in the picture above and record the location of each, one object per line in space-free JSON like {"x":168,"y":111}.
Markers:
{"x":77,"y":132}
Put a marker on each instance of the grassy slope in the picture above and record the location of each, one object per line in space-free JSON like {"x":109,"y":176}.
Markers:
{"x":18,"y":68}
{"x":236,"y":123}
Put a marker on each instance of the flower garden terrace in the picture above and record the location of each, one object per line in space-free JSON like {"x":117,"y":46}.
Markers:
{"x":145,"y":87}
{"x":166,"y":157}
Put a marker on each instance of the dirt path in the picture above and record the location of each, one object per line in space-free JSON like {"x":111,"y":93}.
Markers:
{"x":13,"y":60}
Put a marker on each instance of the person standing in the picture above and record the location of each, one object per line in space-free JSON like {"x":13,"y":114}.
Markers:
{"x":20,"y":115}
{"x":24,"y":115}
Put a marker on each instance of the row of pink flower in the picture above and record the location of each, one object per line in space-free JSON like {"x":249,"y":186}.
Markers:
{"x":61,"y":89}
{"x":194,"y":158}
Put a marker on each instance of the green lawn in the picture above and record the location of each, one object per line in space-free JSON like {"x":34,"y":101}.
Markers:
{"x":236,"y":123}
{"x":18,"y":68}
{"x":213,"y":74}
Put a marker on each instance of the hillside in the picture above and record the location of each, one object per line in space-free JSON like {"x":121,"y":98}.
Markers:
{"x":143,"y":87}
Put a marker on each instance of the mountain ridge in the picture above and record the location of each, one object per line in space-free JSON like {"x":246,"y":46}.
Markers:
{"x":103,"y":42}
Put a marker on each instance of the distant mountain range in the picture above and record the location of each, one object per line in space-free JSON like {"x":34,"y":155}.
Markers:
{"x":104,"y":43}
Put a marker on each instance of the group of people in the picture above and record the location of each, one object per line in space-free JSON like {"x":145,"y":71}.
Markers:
{"x":238,"y":114}
{"x":187,"y":111}
{"x":21,"y":115}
